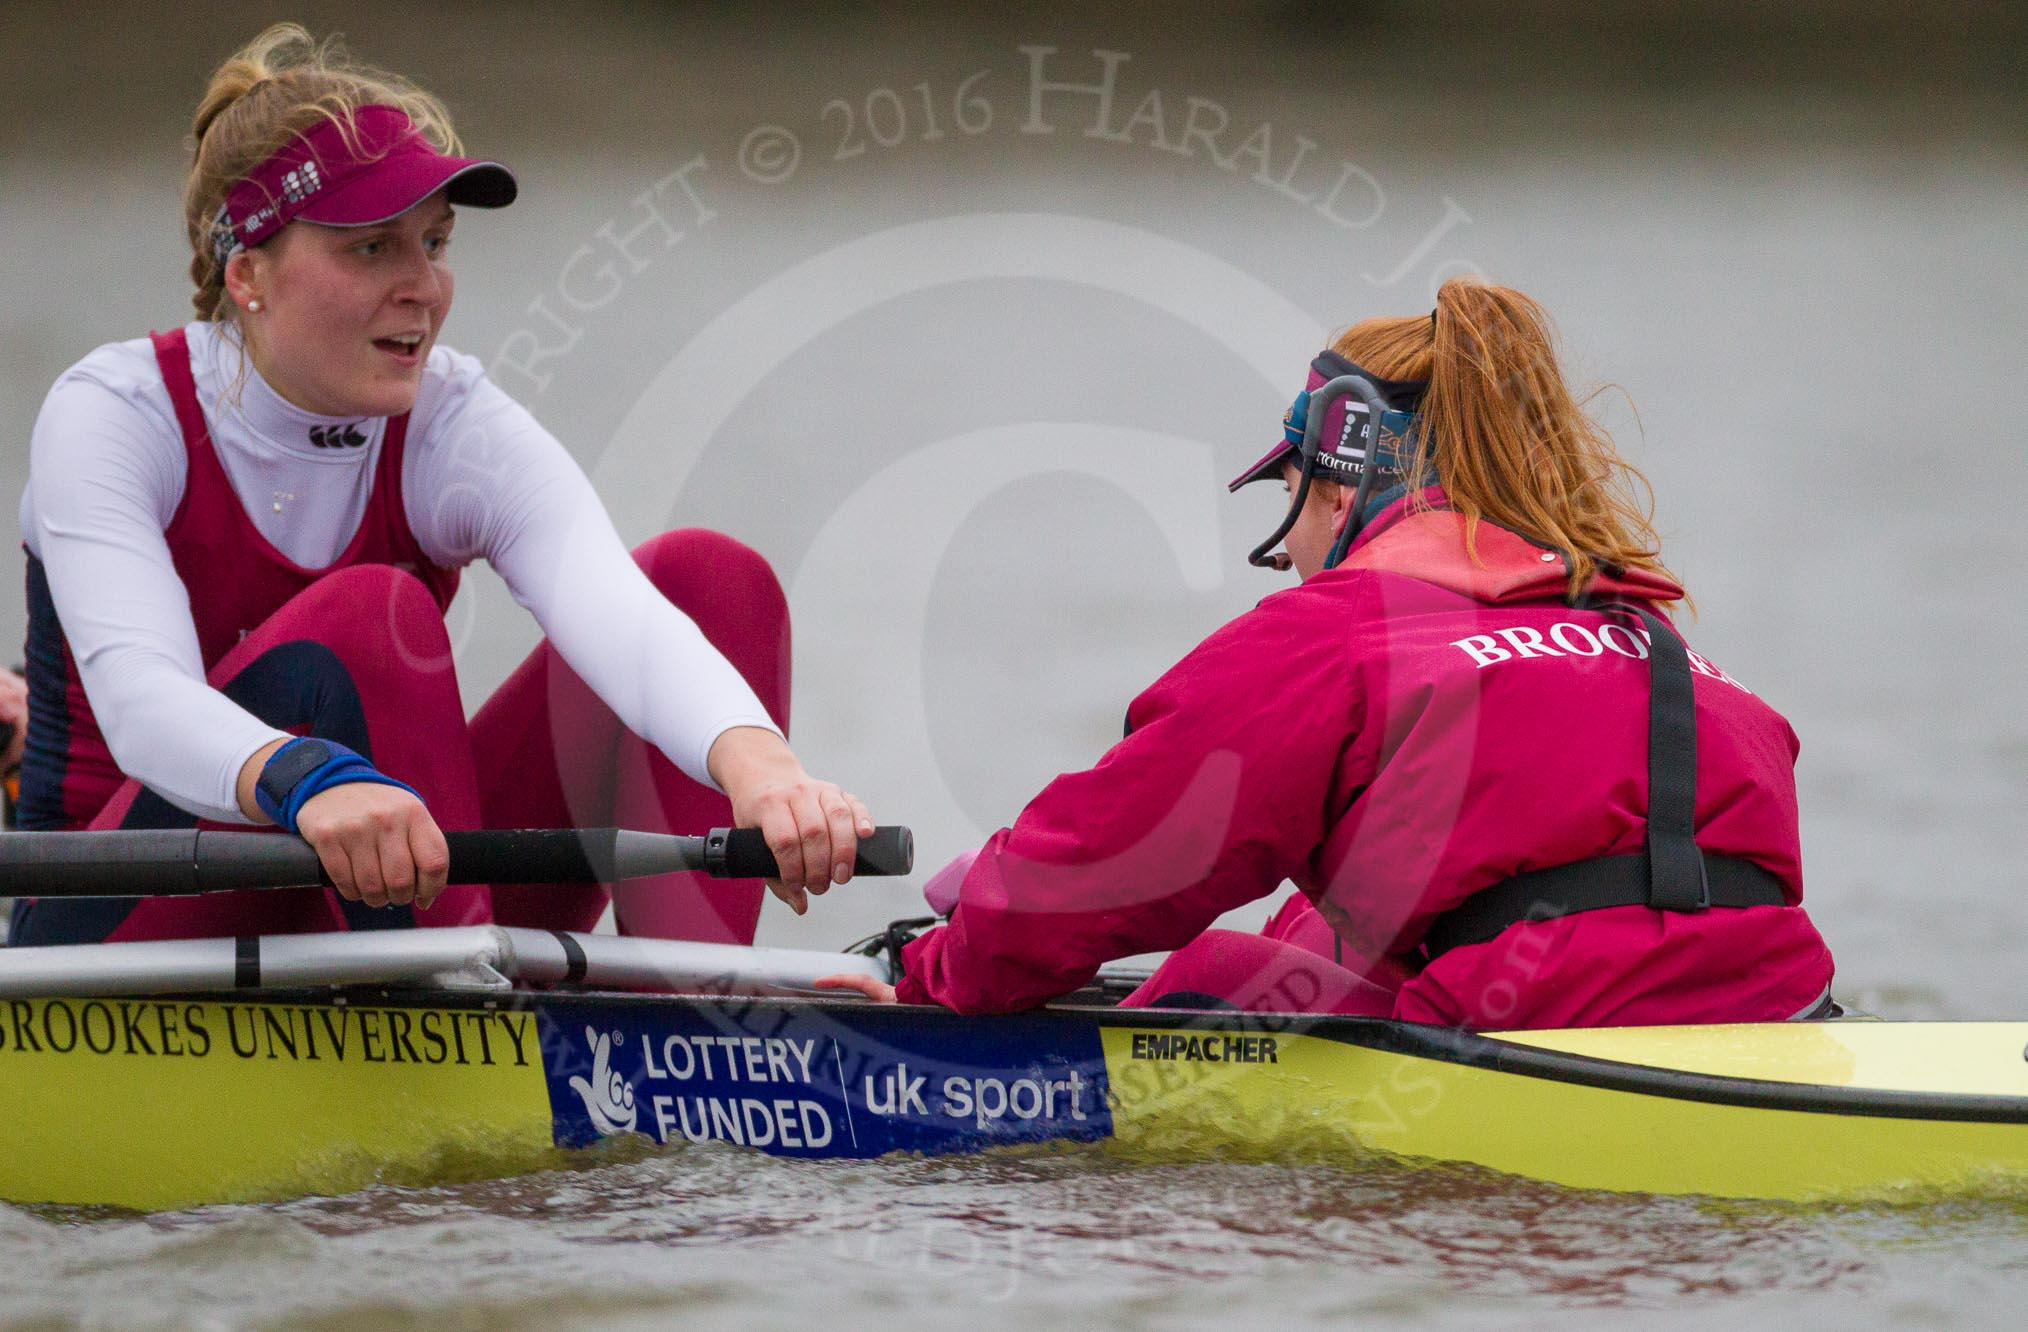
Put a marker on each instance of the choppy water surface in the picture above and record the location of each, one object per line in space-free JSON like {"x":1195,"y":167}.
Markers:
{"x":716,"y":1237}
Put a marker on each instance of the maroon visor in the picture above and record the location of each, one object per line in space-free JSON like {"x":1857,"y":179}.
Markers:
{"x":383,"y":168}
{"x":1341,"y":449}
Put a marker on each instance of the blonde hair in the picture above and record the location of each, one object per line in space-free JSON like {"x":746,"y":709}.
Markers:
{"x":1503,"y":433}
{"x":268,"y":92}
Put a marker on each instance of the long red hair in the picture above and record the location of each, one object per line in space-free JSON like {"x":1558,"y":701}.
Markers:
{"x":1504,"y":435}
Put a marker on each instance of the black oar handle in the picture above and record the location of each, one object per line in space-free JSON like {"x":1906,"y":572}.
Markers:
{"x":742,"y":853}
{"x":149,"y":862}
{"x":582,"y":855}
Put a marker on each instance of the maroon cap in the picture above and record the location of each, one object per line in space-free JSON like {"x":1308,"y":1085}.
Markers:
{"x":381,"y":170}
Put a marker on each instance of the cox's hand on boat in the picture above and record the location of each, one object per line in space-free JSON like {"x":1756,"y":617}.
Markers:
{"x":378,"y":843}
{"x":880,"y":992}
{"x":813,"y":827}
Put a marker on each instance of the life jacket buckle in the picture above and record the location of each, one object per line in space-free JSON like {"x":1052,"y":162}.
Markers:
{"x":1679,"y":879}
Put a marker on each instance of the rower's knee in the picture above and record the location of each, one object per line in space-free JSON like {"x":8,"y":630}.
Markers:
{"x":377,"y":618}
{"x":696,"y":564}
{"x":732,"y":593}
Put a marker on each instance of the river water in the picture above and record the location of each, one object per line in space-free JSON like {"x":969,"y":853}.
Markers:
{"x":714,"y":1237}
{"x":969,"y":361}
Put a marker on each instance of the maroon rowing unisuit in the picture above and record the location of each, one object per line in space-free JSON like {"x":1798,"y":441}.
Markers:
{"x":236,"y":577}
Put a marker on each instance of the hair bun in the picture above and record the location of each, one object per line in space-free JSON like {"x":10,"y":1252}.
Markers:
{"x":315,"y":82}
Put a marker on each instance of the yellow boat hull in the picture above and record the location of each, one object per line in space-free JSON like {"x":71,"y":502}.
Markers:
{"x":1718,"y":1116}
{"x":158,"y":1103}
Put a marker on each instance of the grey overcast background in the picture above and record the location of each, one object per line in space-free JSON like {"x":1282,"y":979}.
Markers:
{"x":970,"y":363}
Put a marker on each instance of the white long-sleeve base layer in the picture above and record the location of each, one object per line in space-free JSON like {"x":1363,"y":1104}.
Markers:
{"x":481,"y":479}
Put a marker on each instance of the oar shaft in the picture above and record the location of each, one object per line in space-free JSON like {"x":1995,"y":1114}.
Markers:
{"x":152,"y":862}
{"x":141,"y":862}
{"x":558,"y":855}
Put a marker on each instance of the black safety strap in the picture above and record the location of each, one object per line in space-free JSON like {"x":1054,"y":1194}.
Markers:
{"x":1676,"y":880}
{"x":1588,"y":885}
{"x":1673,"y":874}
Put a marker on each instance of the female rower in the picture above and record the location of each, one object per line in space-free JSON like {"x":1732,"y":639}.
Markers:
{"x":242,"y":536}
{"x":1509,"y":794}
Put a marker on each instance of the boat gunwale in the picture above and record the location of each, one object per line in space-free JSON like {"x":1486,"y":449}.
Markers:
{"x":1447,"y":1045}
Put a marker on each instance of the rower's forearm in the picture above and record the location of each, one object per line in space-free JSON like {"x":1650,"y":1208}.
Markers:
{"x":249,"y":774}
{"x":566,"y":564}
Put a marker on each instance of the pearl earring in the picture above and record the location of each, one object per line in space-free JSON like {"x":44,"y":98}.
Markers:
{"x":253,"y":306}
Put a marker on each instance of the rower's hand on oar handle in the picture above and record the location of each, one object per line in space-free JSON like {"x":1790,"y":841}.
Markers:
{"x":742,"y":853}
{"x":375,"y":840}
{"x":378,"y":843}
{"x":811,"y":828}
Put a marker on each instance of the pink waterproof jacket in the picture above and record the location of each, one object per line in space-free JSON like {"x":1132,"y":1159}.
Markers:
{"x":1394,"y":735}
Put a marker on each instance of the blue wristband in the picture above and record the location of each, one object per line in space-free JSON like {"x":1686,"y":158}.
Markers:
{"x":285,"y":784}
